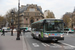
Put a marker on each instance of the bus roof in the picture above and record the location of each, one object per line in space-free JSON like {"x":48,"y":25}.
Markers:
{"x":46,"y":19}
{"x":51,"y":19}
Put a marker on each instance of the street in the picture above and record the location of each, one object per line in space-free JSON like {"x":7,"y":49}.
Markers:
{"x":35,"y":44}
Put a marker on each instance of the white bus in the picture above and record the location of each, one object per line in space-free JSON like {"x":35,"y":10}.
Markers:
{"x":48,"y":29}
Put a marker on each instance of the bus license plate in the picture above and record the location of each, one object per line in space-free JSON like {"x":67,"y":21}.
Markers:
{"x":54,"y":39}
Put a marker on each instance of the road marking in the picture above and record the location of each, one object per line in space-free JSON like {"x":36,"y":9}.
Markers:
{"x":44,"y":44}
{"x":56,"y":45}
{"x":47,"y":44}
{"x":35,"y":44}
{"x":59,"y":46}
{"x":24,"y":45}
{"x":69,"y":45}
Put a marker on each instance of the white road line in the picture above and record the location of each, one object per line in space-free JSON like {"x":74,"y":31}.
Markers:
{"x":56,"y":45}
{"x":69,"y":45}
{"x":44,"y":44}
{"x":35,"y":44}
{"x":47,"y":44}
{"x":24,"y":45}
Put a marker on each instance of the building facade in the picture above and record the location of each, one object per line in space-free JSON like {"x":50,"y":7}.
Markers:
{"x":30,"y":13}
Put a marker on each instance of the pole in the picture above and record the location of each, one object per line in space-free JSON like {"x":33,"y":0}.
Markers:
{"x":18,"y":29}
{"x":12,"y":26}
{"x":12,"y":23}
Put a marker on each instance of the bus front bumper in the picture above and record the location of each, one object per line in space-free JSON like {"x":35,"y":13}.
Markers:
{"x":53,"y":38}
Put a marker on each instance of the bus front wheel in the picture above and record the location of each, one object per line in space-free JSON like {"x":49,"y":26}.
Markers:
{"x":40,"y":38}
{"x":56,"y":41}
{"x":33,"y":37}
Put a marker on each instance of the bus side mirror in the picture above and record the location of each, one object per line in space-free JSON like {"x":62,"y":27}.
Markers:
{"x":44,"y":22}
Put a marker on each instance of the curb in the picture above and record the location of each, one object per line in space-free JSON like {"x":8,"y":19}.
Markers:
{"x":24,"y":45}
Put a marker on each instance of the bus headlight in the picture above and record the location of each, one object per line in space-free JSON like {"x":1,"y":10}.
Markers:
{"x":62,"y":35}
{"x":46,"y":35}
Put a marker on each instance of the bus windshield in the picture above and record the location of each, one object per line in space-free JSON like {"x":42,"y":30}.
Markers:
{"x":53,"y":27}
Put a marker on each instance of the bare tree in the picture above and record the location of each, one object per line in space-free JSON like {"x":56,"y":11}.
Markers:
{"x":9,"y":16}
{"x":2,"y":21}
{"x":66,"y":19}
{"x":50,"y":15}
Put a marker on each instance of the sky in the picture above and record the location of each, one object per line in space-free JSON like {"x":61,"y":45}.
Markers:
{"x":58,"y":7}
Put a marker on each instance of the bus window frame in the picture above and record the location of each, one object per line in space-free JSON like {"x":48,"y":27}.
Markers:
{"x":52,"y":22}
{"x":36,"y":28}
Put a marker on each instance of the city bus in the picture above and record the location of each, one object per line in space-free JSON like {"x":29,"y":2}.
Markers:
{"x":48,"y":29}
{"x":27,"y":29}
{"x":24,"y":28}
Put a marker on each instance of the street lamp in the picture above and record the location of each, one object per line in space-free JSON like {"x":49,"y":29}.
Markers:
{"x":72,"y":20}
{"x":12,"y":12}
{"x":18,"y":29}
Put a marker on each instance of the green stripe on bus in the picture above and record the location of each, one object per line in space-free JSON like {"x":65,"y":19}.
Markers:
{"x":42,"y":34}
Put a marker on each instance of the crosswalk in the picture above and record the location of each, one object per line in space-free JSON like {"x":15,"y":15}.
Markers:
{"x":54,"y":45}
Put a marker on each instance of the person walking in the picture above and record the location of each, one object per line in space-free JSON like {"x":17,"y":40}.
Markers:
{"x":3,"y":32}
{"x":24,"y":31}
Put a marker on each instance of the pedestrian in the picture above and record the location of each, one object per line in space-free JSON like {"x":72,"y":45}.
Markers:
{"x":3,"y":32}
{"x":23,"y":31}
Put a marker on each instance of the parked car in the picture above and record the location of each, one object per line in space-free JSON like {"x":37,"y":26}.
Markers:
{"x":6,"y":29}
{"x":69,"y":30}
{"x":26,"y":29}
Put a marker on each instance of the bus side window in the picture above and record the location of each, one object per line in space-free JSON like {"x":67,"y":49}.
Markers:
{"x":41,"y":27}
{"x":34,"y":29}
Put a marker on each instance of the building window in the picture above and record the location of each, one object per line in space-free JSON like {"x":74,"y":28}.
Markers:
{"x":24,"y":13}
{"x":37,"y":19}
{"x":28,"y":13}
{"x":26,"y":18}
{"x":32,"y":9}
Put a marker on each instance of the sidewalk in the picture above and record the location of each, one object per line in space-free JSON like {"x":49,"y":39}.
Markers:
{"x":10,"y":43}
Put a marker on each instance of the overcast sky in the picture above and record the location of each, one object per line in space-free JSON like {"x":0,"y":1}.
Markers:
{"x":58,"y":7}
